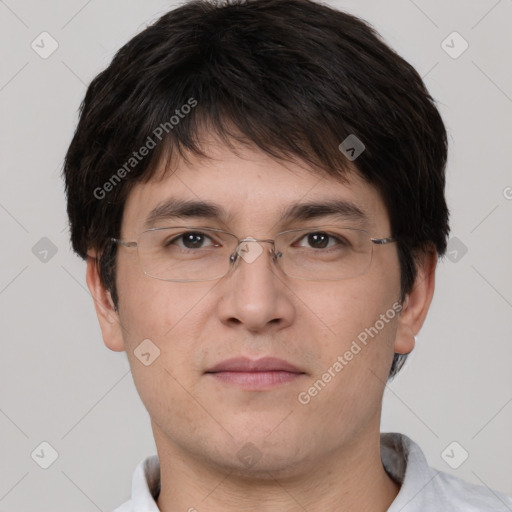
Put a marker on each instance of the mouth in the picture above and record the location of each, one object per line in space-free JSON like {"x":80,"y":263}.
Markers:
{"x":264,"y":373}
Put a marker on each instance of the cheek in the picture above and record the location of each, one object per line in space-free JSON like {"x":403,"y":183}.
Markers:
{"x":354,"y":357}
{"x":152,"y":308}
{"x":170,"y":315}
{"x":359,"y":321}
{"x":167,"y":314}
{"x":349,"y":309}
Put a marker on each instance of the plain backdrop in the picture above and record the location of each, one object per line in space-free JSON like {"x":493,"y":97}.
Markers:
{"x":60,"y":385}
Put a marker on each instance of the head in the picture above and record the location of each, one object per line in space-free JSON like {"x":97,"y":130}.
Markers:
{"x":245,"y":104}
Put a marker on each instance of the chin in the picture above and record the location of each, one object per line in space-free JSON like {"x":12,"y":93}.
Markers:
{"x":257,"y":455}
{"x":251,"y":463}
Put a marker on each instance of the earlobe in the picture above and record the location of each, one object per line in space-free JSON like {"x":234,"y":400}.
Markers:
{"x":416,"y":304}
{"x":108,"y":317}
{"x":405,"y":340}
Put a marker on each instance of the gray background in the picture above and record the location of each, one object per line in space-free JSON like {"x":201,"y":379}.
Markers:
{"x":58,"y":382}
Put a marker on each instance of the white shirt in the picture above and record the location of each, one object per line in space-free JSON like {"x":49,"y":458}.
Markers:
{"x":423,"y":489}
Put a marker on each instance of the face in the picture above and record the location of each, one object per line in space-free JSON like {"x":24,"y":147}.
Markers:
{"x":255,"y":312}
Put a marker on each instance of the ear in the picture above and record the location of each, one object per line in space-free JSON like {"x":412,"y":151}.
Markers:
{"x":416,"y":303}
{"x":108,"y":317}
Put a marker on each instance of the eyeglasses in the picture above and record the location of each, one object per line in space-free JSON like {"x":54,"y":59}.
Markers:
{"x":191,"y":253}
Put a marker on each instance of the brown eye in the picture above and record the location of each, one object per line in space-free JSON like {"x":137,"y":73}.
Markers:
{"x":193,"y":240}
{"x":318,"y":240}
{"x":189,"y":240}
{"x":321,"y":240}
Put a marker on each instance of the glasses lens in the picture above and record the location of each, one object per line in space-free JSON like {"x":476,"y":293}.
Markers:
{"x":325,"y":253}
{"x":185,"y":253}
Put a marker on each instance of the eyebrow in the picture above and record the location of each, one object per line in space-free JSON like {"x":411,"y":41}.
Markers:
{"x":183,"y":209}
{"x":192,"y":209}
{"x":340,"y":208}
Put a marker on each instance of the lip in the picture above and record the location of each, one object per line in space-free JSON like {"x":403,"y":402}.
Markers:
{"x":246,"y":365}
{"x":255,"y":375}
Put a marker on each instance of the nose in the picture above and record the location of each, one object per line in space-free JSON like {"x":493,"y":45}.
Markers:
{"x":254,"y":293}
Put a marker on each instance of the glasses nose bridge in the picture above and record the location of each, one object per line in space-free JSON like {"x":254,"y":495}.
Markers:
{"x":252,"y":239}
{"x":250,"y":255}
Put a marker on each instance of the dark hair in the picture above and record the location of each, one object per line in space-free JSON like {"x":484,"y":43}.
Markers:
{"x":293,"y":77}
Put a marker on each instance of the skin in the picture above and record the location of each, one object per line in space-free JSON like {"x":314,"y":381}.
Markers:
{"x":321,"y":456}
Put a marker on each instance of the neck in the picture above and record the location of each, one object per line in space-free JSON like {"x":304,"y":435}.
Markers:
{"x":347,"y":479}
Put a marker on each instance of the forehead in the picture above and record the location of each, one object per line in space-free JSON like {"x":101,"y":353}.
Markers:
{"x":248,"y":188}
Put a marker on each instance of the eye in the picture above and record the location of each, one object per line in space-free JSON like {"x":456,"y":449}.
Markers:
{"x":190,"y":240}
{"x":321,"y":239}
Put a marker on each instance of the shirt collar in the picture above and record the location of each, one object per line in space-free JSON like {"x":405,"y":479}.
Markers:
{"x":146,"y":485}
{"x":422,"y":488}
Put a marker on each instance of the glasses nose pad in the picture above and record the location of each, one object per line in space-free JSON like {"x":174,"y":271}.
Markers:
{"x":276,"y":255}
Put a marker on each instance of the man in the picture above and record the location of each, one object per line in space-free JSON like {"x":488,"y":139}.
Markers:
{"x":258,"y":189}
